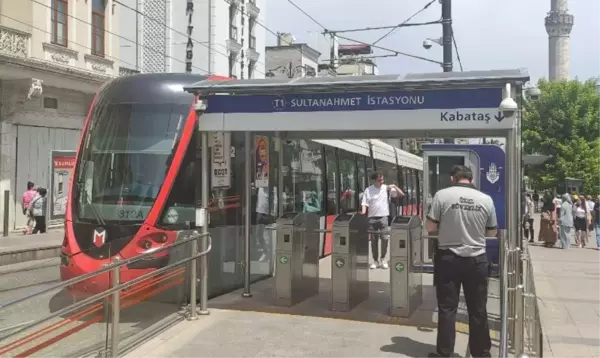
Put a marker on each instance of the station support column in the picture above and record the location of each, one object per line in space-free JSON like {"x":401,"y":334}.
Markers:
{"x":247,"y":210}
{"x":204,"y":239}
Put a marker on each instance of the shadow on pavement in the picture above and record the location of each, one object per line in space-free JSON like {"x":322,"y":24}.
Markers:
{"x":409,"y":347}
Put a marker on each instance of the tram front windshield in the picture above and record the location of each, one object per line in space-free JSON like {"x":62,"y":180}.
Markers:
{"x":124,"y":160}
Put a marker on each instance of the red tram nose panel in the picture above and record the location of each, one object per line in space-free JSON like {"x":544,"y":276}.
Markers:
{"x":75,"y":263}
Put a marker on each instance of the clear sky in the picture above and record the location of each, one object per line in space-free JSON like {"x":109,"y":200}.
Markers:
{"x":490,"y":34}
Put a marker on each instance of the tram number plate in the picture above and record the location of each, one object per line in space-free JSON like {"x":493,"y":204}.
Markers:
{"x":130,"y":214}
{"x":221,"y":172}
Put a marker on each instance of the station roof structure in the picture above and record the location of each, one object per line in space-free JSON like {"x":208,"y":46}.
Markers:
{"x":410,"y":81}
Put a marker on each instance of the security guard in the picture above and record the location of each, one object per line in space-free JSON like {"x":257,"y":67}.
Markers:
{"x":464,"y":217}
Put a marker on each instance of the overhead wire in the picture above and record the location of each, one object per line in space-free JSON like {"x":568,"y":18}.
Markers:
{"x":456,"y":50}
{"x":403,"y":22}
{"x":117,"y":35}
{"x":374,"y":45}
{"x":267,"y":29}
{"x":72,"y":42}
{"x":307,"y":14}
{"x":162,"y":23}
{"x":391,"y":50}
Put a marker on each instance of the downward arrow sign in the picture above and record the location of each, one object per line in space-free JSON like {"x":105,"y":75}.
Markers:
{"x":499,"y":117}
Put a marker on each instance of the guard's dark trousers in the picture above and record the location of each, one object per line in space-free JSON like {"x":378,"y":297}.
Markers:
{"x":452,"y":271}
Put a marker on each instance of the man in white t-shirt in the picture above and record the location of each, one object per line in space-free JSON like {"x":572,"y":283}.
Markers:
{"x":376,"y":200}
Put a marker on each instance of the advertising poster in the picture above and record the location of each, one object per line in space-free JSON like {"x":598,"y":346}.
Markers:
{"x":221,"y":160}
{"x":63,"y":163}
{"x":261,"y":148}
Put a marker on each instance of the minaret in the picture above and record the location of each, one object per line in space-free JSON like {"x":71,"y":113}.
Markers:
{"x":558,"y":26}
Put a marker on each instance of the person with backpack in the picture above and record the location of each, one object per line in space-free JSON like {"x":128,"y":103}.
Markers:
{"x":26,"y":199}
{"x":38,"y":209}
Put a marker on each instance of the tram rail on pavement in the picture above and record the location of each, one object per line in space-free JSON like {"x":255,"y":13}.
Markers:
{"x":25,"y":339}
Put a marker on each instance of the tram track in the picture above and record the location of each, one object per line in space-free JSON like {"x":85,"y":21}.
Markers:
{"x":87,"y":327}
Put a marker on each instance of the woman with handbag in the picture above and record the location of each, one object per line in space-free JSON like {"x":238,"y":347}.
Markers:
{"x":548,"y":229}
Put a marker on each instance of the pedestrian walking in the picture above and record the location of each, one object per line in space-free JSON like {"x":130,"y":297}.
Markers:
{"x":26,"y":198}
{"x":376,"y":204}
{"x":464,"y":217}
{"x":565,"y":221}
{"x":548,"y":229}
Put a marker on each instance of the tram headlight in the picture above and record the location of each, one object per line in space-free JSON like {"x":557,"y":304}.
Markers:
{"x":145,"y":244}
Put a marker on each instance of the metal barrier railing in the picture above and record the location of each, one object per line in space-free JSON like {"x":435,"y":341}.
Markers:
{"x":116,"y":287}
{"x":521,"y":330}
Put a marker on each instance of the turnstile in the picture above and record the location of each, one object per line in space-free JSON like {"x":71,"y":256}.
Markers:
{"x":297,"y":258}
{"x":406,"y":281}
{"x":349,"y":261}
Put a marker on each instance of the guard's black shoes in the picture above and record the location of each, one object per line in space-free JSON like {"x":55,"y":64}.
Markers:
{"x":435,"y":355}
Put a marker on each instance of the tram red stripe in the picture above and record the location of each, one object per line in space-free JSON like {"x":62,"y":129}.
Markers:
{"x":165,"y":190}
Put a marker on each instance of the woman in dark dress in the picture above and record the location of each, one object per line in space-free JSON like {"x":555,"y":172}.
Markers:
{"x":548,"y":229}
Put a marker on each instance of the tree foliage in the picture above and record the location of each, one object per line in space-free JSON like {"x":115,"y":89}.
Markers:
{"x":565,"y":124}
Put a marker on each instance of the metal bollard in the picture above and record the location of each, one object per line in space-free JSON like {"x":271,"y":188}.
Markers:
{"x":116,"y":312}
{"x":204,"y":278}
{"x":193,"y":281}
{"x":519,"y":321}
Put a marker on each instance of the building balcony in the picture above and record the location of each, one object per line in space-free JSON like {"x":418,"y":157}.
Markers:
{"x":14,"y":43}
{"x":233,"y":43}
{"x":253,"y":10}
{"x":253,"y":55}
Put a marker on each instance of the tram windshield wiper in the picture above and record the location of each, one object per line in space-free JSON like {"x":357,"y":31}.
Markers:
{"x":88,"y":200}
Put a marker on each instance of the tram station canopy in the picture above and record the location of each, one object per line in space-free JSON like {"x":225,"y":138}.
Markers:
{"x":460,"y":104}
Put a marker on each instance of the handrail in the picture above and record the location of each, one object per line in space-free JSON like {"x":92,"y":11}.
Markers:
{"x":504,"y":289}
{"x":111,"y":290}
{"x":106,"y":268}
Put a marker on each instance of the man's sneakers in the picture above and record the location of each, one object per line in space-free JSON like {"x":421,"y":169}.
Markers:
{"x":377,"y":264}
{"x":384,"y":264}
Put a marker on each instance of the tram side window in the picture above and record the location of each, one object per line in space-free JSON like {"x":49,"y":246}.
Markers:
{"x":363,"y":182}
{"x":413,"y":191}
{"x":179,"y":207}
{"x":420,"y":178}
{"x":332,"y":181}
{"x":405,"y":187}
{"x":348,"y":181}
{"x":302,"y":176}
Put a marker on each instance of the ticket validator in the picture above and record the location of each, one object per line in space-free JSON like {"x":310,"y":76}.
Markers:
{"x":406,"y":280}
{"x":349,"y":261}
{"x":297,"y":258}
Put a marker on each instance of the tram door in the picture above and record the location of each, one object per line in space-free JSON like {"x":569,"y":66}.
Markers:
{"x":437,"y":163}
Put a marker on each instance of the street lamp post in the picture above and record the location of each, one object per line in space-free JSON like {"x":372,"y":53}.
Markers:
{"x":290,"y":71}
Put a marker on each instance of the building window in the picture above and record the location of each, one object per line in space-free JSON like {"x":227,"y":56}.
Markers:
{"x":251,"y":65}
{"x":60,"y":27}
{"x":98,"y":27}
{"x":233,"y":31}
{"x":232,"y":65}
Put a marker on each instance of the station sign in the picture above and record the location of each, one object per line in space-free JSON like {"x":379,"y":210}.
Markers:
{"x":455,"y":109}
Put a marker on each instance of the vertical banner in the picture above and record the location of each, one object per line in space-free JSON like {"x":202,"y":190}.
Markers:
{"x":62,"y":165}
{"x":261,"y":149}
{"x":221,"y":160}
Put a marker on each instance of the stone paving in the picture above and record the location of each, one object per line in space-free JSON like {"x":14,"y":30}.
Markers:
{"x":568,"y":289}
